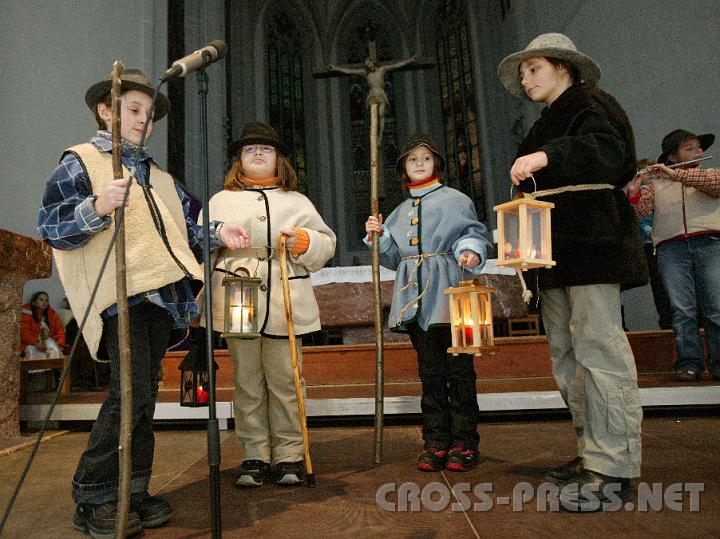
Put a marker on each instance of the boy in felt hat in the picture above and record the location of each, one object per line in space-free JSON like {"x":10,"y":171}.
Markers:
{"x":429,"y":240}
{"x":76,"y":219}
{"x":685,"y":205}
{"x":579,"y":155}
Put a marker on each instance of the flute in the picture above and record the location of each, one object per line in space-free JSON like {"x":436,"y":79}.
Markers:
{"x":676,"y":165}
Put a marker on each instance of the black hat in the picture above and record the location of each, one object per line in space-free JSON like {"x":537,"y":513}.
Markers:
{"x":258,"y":133}
{"x":131,"y":79}
{"x":671,"y":142}
{"x":415,"y":141}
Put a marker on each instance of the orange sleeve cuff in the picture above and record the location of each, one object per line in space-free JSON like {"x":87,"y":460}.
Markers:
{"x":302,"y":242}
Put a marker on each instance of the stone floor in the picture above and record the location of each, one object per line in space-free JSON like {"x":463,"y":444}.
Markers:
{"x":679,"y":447}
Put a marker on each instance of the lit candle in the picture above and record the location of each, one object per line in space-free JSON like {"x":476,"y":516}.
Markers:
{"x":202,"y":395}
{"x":468,"y":332}
{"x":236,"y":313}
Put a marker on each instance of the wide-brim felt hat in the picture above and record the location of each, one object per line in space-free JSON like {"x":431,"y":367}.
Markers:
{"x":258,"y":133}
{"x":415,"y":141}
{"x":671,"y":142}
{"x":552,"y":45}
{"x":130,"y":79}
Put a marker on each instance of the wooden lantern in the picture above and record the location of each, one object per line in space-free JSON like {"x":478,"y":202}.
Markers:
{"x":241,"y":307}
{"x":471,"y":321}
{"x":524,"y":240}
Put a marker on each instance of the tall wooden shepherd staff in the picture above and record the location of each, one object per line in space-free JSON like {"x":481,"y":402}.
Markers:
{"x":294,"y":360}
{"x":125,"y":438}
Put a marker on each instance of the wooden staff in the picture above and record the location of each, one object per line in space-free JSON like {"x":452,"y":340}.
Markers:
{"x":294,"y":360}
{"x":125,"y":437}
{"x":375,"y":210}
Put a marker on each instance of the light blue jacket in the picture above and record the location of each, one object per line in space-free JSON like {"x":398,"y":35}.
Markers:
{"x":438,"y":221}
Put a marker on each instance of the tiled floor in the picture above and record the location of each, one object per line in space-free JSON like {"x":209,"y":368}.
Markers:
{"x":676,"y":449}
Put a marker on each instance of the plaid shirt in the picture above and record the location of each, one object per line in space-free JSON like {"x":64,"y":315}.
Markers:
{"x":67,"y":220}
{"x":705,"y":180}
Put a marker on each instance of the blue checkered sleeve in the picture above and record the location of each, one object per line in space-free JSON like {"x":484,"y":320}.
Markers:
{"x":67,"y":217}
{"x":194,"y":230}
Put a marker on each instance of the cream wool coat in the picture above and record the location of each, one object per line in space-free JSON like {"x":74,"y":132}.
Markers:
{"x":262,"y":212}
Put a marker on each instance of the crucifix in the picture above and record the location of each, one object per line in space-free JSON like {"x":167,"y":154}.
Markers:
{"x":376,"y":101}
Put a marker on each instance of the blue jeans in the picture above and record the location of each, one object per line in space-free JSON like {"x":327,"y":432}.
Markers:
{"x":96,"y":477}
{"x":690,"y":269}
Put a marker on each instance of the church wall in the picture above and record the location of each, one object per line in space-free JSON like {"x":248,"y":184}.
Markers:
{"x":52,"y":52}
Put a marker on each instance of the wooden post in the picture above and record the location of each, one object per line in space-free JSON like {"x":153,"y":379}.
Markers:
{"x":375,"y":210}
{"x":125,"y":437}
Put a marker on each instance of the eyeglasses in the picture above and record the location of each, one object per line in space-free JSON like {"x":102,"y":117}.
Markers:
{"x":255,"y":149}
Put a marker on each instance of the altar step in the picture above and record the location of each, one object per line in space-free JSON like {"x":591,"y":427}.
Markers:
{"x":340,"y":381}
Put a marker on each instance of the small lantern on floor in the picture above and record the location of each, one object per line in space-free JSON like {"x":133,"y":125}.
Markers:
{"x":524,"y":234}
{"x":241,"y":301}
{"x":471,"y":321}
{"x":194,"y":377}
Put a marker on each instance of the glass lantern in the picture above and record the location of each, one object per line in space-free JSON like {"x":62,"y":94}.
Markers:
{"x":194,"y":378}
{"x":241,"y":307}
{"x":471,"y":321}
{"x":524,"y":234}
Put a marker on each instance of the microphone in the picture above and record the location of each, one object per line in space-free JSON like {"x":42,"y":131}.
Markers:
{"x":212,"y":52}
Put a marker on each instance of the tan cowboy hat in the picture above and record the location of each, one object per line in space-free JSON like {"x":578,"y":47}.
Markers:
{"x":551,"y":45}
{"x":131,"y":79}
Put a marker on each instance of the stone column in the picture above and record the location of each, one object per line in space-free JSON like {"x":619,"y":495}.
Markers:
{"x":21,"y":259}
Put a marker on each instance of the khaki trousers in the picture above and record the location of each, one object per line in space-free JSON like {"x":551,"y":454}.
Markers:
{"x":267,"y":421}
{"x":594,"y":368}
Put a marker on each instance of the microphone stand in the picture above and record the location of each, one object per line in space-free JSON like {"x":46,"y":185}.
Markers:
{"x":213,"y":431}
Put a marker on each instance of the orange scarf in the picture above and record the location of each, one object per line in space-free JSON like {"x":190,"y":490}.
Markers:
{"x":425,"y":183}
{"x":269,"y":182}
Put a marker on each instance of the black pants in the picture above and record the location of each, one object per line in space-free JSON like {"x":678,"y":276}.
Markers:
{"x":449,"y":399}
{"x":96,"y":477}
{"x":660,"y":295}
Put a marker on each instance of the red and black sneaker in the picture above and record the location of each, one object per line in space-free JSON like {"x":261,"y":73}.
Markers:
{"x":461,"y":459}
{"x":432,"y":459}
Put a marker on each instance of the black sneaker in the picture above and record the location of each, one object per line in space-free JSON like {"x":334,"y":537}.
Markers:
{"x":566,"y":472}
{"x":461,"y":459}
{"x":252,"y":473}
{"x":432,"y":459}
{"x":152,"y":510}
{"x":688,"y":376}
{"x":289,"y":473}
{"x":594,"y":491}
{"x":98,"y":520}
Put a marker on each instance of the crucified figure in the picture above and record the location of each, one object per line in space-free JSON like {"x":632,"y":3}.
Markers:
{"x":375,"y":75}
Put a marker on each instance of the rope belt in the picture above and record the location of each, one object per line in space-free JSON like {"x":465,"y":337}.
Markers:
{"x":569,"y":189}
{"x":420,"y":259}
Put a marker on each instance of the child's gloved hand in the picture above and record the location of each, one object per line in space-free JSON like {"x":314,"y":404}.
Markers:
{"x":374,"y":224}
{"x":468,"y":259}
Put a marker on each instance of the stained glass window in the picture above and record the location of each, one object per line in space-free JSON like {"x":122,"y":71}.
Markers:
{"x":457,"y":93}
{"x":286,"y":90}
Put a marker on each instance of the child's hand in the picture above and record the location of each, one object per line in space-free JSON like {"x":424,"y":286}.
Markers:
{"x":112,"y":198}
{"x":469,"y":259}
{"x":524,"y":166}
{"x":374,"y":224}
{"x":234,"y":236}
{"x":290,"y":235}
{"x":661,"y":172}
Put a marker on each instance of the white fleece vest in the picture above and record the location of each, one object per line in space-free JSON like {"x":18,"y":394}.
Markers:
{"x":149,"y":264}
{"x":682,"y":210}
